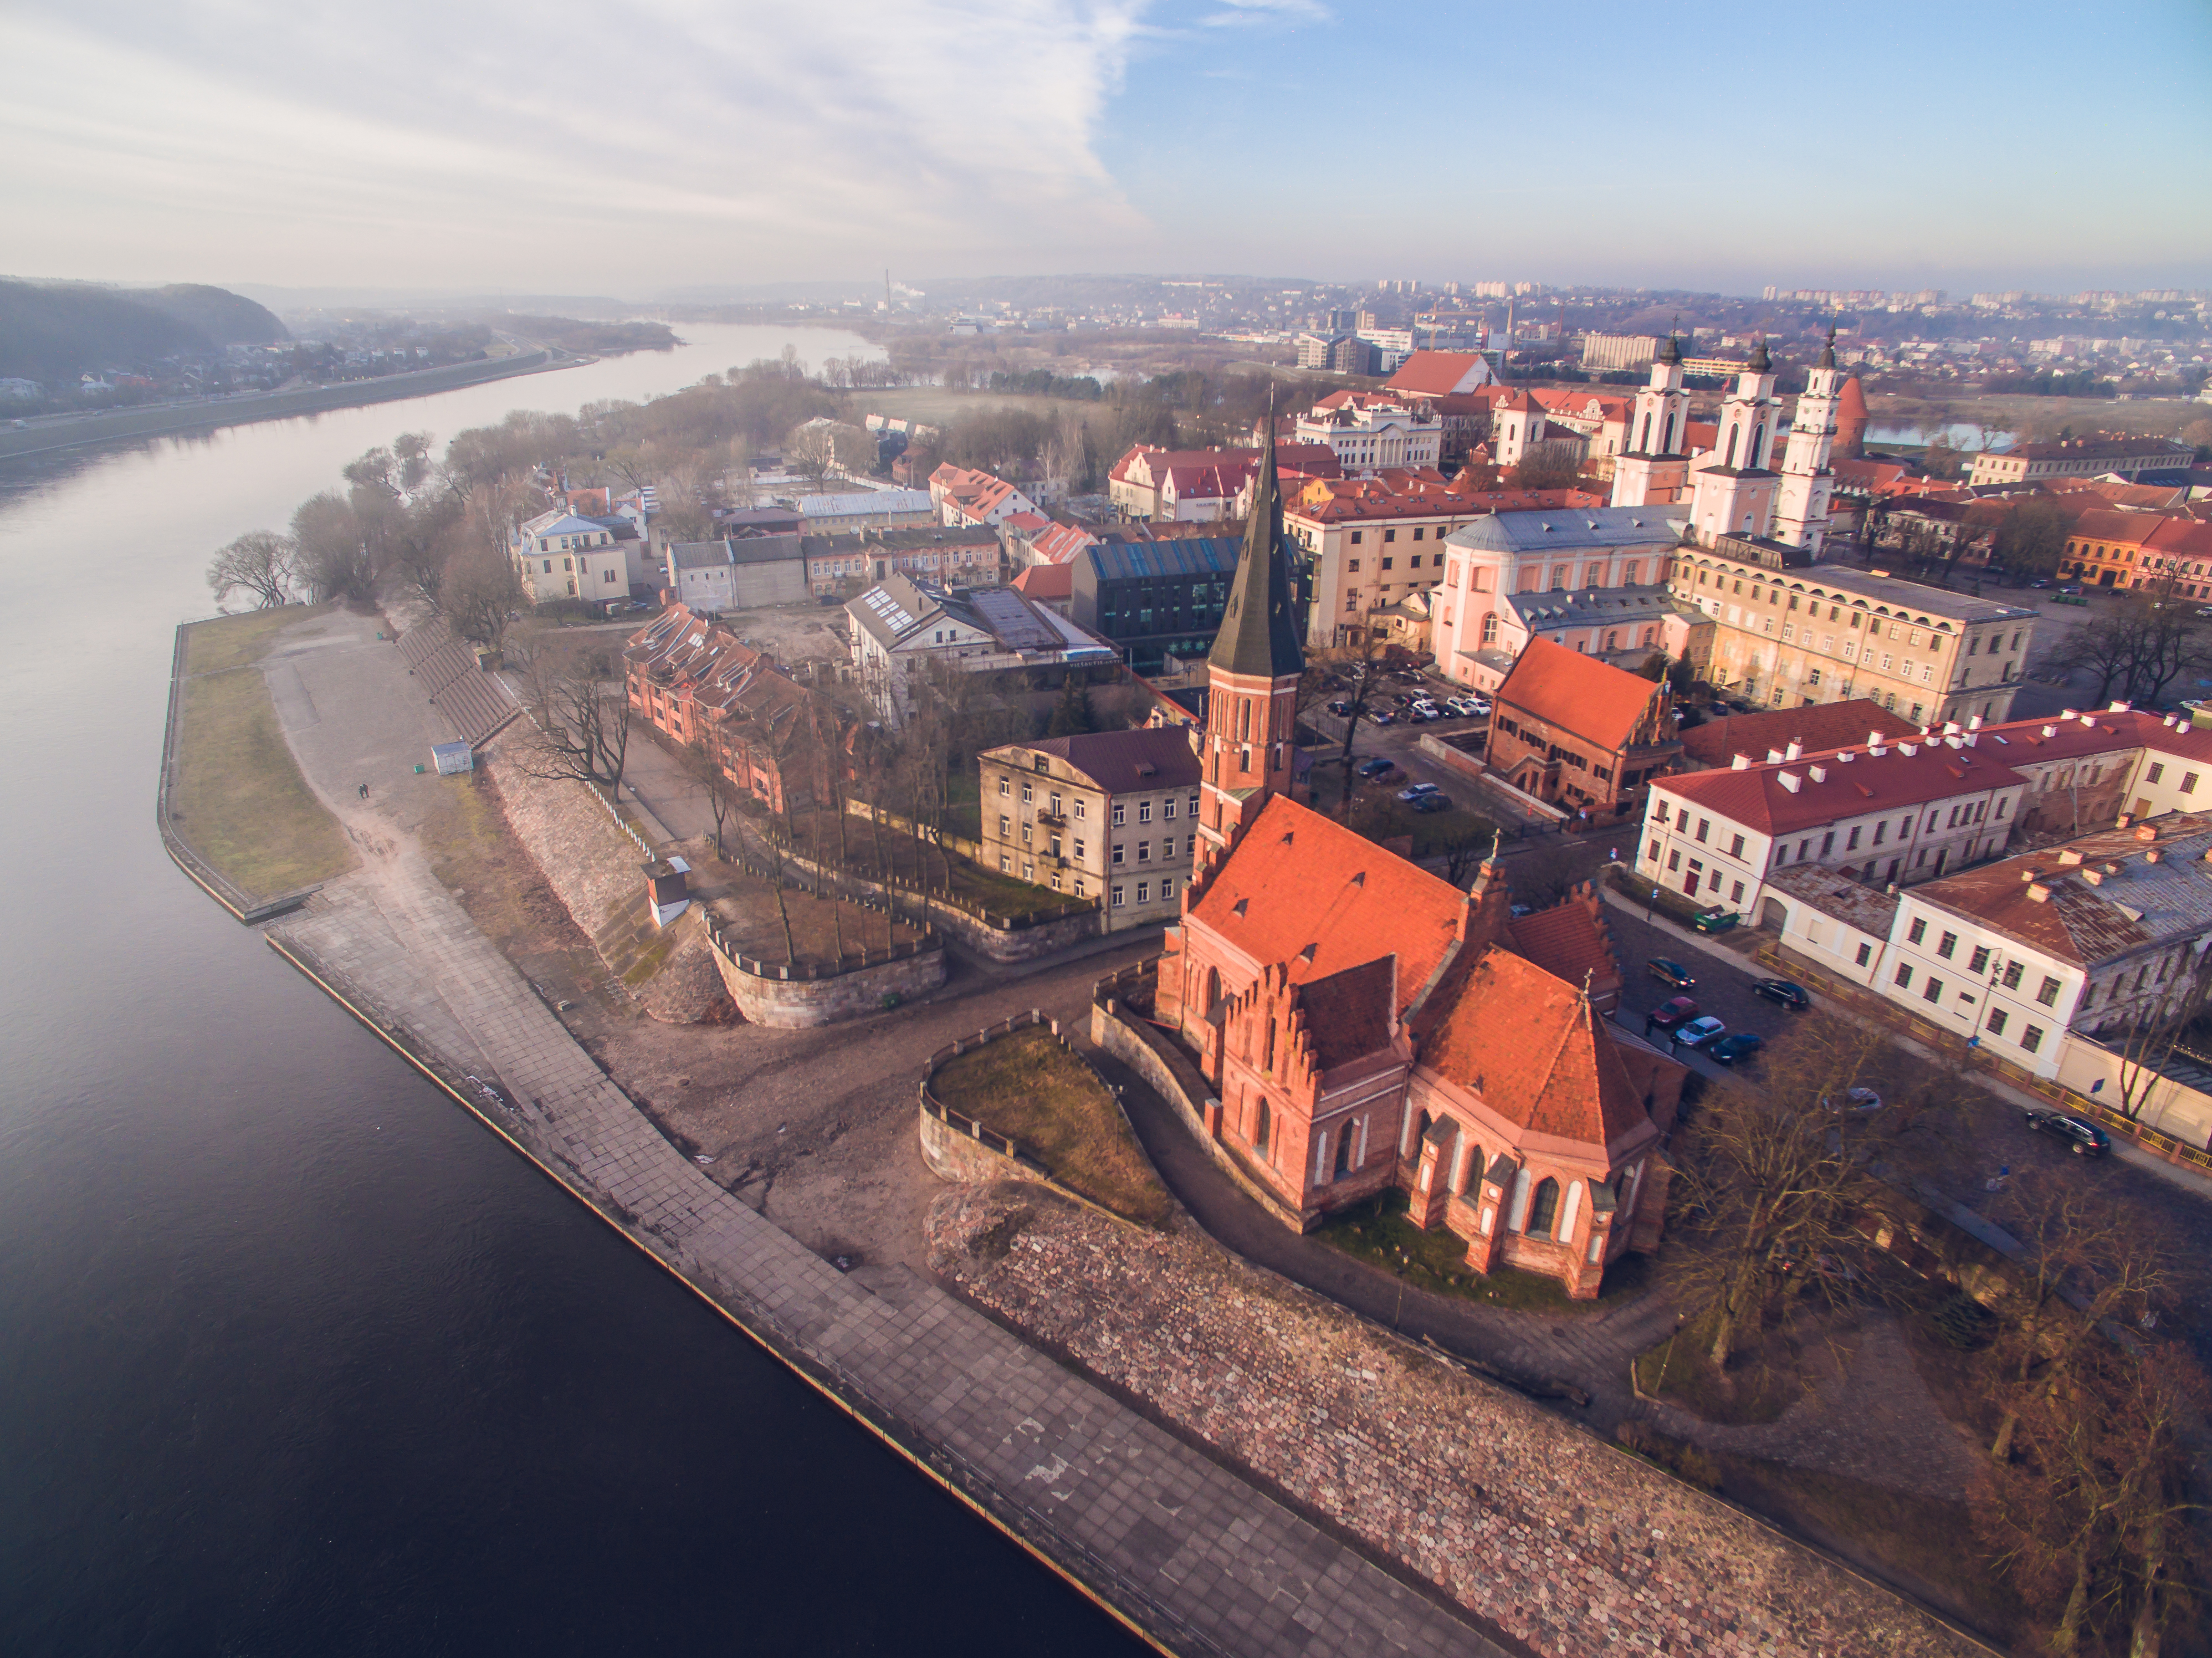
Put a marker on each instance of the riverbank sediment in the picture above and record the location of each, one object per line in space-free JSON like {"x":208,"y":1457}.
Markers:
{"x":130,"y":425}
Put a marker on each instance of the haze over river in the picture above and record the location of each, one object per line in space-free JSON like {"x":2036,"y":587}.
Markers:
{"x":295,"y":1356}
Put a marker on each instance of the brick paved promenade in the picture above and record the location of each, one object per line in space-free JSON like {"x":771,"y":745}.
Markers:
{"x":1198,"y":1558}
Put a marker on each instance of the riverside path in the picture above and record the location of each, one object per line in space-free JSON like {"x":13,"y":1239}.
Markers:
{"x":1193,"y":1556}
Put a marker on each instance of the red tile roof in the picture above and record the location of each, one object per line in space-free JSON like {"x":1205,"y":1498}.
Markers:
{"x":1301,"y":889}
{"x":1349,"y":1014}
{"x":1568,"y":942}
{"x":1758,"y":798}
{"x":1530,"y":1046}
{"x":1047,"y":581}
{"x":1827,"y":726}
{"x":1578,"y":693}
{"x":1433,"y":374}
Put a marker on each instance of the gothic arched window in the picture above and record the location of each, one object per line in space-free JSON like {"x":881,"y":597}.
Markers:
{"x":1262,"y":1123}
{"x":1471,"y":1182}
{"x":1213,"y":990}
{"x":1543,"y":1209}
{"x":1344,"y":1149}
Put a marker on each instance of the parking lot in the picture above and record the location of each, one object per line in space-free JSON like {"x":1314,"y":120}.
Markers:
{"x":1399,"y":741}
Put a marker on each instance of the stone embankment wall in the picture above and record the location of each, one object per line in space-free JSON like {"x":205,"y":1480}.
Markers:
{"x":803,"y":1004}
{"x":1564,"y":1542}
{"x":1122,"y":1032}
{"x":595,"y":869}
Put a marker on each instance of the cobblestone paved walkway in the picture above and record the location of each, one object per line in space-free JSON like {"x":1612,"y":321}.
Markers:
{"x":1197,"y":1555}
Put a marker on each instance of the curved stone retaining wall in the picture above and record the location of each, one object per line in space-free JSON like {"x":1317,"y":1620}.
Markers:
{"x":801,"y":1003}
{"x":1000,"y":943}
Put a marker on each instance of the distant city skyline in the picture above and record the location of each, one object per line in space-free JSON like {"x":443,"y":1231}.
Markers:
{"x":491,"y":145}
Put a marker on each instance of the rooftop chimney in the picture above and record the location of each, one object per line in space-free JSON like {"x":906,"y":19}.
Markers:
{"x":1794,"y":749}
{"x":2070,"y":713}
{"x":2095,"y":877}
{"x":2146,"y":831}
{"x":1908,"y":749}
{"x":1741,"y":762}
{"x":2051,"y":731}
{"x":1975,"y":724}
{"x":1819,"y":774}
{"x":1774,"y":757}
{"x":2118,"y":707}
{"x":2038,"y":893}
{"x":1790,"y":780}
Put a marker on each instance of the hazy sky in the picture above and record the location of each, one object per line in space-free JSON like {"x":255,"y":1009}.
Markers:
{"x":633,"y":149}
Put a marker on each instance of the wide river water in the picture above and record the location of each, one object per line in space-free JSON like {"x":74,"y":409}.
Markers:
{"x":295,"y":1357}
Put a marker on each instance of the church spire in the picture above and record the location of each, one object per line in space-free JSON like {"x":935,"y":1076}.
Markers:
{"x":1259,"y":632}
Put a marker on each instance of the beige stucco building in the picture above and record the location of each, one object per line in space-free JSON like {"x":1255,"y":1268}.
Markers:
{"x":1822,"y":632}
{"x":1107,"y":815}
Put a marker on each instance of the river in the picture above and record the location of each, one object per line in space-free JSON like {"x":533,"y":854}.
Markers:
{"x":295,"y":1356}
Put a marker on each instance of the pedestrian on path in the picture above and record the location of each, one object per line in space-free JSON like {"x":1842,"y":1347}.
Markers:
{"x":364,"y":790}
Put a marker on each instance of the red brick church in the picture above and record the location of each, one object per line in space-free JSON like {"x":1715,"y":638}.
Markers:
{"x":1365,"y":1024}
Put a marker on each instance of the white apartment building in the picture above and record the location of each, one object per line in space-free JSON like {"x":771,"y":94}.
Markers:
{"x":1885,"y":813}
{"x":1370,"y":429}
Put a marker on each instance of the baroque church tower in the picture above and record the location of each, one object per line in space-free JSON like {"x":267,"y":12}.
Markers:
{"x":1735,"y":496}
{"x":1251,"y":685}
{"x":1654,"y":470}
{"x":1802,"y":509}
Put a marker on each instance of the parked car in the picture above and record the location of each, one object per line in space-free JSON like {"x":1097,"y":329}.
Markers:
{"x":1854,"y":1099}
{"x":1417,"y":791}
{"x":1668,"y":1015}
{"x":2079,"y":1135}
{"x":1376,"y":766}
{"x":1438,"y":802}
{"x":1793,"y":997}
{"x":1670,"y":972}
{"x":2070,"y":592}
{"x":1475,"y":707}
{"x":1382,"y":716}
{"x":1737,"y":1045}
{"x":1341,"y":708}
{"x":1699,"y":1031}
{"x":2040,"y":581}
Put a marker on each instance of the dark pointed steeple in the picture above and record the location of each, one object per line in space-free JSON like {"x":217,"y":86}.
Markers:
{"x":1828,"y":356}
{"x":1259,"y":632}
{"x":1761,"y":363}
{"x":1671,"y":352}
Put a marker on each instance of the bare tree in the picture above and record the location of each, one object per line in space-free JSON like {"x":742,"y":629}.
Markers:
{"x":333,"y":555}
{"x":258,"y":564}
{"x":813,"y":451}
{"x":479,"y":592}
{"x":2153,"y":1030}
{"x":1771,"y":1180}
{"x":583,"y":730}
{"x":703,"y":759}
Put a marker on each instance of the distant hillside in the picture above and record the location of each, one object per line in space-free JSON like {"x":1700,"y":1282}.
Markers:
{"x":54,"y":332}
{"x":226,"y":317}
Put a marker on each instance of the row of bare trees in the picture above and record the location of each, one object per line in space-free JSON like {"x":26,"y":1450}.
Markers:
{"x":2146,"y":643}
{"x":2094,"y":1415}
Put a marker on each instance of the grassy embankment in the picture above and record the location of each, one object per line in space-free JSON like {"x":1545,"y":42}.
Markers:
{"x":1030,"y":1089}
{"x":238,"y":801}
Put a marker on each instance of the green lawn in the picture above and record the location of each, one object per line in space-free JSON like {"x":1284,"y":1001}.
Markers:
{"x":232,"y":642}
{"x":1378,"y":1233}
{"x":1030,"y":1089}
{"x":239,"y":799}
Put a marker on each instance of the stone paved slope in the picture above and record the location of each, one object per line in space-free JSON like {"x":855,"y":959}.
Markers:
{"x":1569,"y":1544}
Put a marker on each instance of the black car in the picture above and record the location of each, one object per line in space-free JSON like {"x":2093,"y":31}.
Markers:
{"x":1341,"y":708}
{"x":2081,"y":1136}
{"x":1793,"y":997}
{"x":1376,"y":766}
{"x":1429,"y":803}
{"x":1670,"y":972}
{"x":1737,"y":1045}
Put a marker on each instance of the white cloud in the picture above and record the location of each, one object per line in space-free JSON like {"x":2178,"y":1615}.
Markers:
{"x":556,"y":144}
{"x":1246,"y":13}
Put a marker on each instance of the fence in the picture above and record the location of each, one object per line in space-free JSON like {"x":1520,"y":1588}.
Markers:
{"x":814,"y":970}
{"x":890,"y":881}
{"x":1868,"y":1005}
